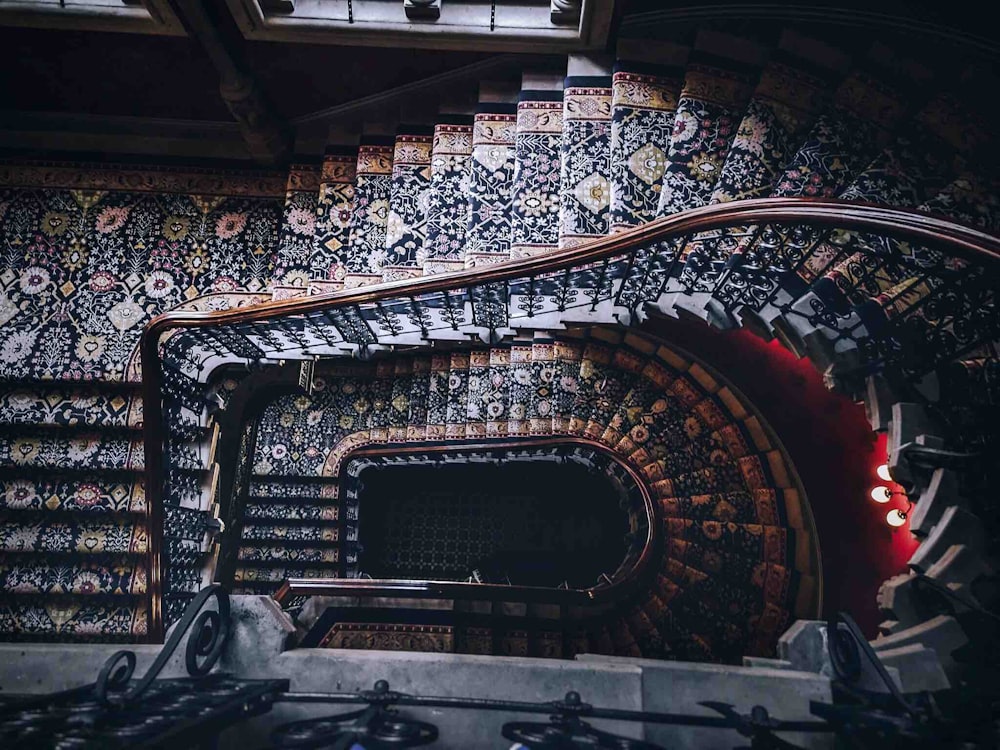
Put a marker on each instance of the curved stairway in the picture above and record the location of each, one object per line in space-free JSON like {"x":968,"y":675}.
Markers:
{"x":723,"y":121}
{"x":736,"y":562}
{"x":669,"y":128}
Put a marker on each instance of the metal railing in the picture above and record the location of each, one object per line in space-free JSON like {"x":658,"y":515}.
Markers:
{"x":117,"y":711}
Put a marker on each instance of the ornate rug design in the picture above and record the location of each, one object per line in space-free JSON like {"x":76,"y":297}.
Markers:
{"x":535,"y":207}
{"x":293,"y":265}
{"x":406,"y":227}
{"x":85,"y":270}
{"x":491,"y":172}
{"x":366,"y":255}
{"x":448,"y":210}
{"x":644,"y":100}
{"x":333,"y":214}
{"x":584,"y":181}
{"x":711,"y":103}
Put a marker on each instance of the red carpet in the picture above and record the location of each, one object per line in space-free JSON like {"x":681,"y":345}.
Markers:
{"x":834,"y":450}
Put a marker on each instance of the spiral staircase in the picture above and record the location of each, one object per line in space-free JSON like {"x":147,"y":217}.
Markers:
{"x":843,"y":203}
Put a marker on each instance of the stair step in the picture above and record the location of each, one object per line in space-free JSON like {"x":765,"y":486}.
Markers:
{"x":535,"y":193}
{"x":448,"y":209}
{"x":704,"y":128}
{"x":85,"y":451}
{"x":286,"y":554}
{"x":290,"y":533}
{"x":295,"y":242}
{"x":333,"y":215}
{"x":85,"y":618}
{"x":25,"y":574}
{"x":406,"y":225}
{"x":293,"y":511}
{"x":63,"y":404}
{"x":366,"y":255}
{"x":88,"y":493}
{"x":644,"y":100}
{"x":490,"y":181}
{"x":584,"y":178}
{"x":44,"y":534}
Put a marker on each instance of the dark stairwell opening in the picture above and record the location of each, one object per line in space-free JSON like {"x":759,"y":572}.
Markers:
{"x":523,"y":523}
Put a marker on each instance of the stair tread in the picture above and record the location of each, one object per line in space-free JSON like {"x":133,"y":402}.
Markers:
{"x":82,"y":618}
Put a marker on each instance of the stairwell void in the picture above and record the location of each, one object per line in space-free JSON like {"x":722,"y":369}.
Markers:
{"x":523,"y":523}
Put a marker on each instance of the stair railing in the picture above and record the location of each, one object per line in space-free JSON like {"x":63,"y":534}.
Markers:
{"x":929,"y":297}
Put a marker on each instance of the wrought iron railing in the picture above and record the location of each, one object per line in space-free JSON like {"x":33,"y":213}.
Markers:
{"x":117,"y":711}
{"x":905,"y":291}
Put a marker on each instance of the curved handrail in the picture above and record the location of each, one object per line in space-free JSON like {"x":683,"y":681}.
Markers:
{"x":495,"y":592}
{"x":962,"y":241}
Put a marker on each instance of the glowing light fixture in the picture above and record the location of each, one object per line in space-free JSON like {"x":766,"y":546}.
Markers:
{"x":881,"y":494}
{"x":895,"y":518}
{"x":883,"y":473}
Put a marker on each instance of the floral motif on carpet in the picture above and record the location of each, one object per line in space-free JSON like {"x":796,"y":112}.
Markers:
{"x":409,"y":196}
{"x":85,"y":270}
{"x":448,"y":210}
{"x":490,"y":181}
{"x":584,"y":181}
{"x":644,"y":100}
{"x":333,"y":214}
{"x":535,"y":204}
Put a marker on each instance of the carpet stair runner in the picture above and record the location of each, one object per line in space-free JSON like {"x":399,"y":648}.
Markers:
{"x":653,"y":134}
{"x":292,"y":530}
{"x":732,"y":526}
{"x":664,"y":128}
{"x":74,"y":533}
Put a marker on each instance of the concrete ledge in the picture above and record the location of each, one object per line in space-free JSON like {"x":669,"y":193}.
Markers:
{"x":679,"y":687}
{"x":511,"y":678}
{"x":30,"y":668}
{"x":919,"y":668}
{"x":942,"y":634}
{"x":878,"y":402}
{"x":941,"y":493}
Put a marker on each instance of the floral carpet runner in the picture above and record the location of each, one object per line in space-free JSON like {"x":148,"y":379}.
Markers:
{"x":93,"y":253}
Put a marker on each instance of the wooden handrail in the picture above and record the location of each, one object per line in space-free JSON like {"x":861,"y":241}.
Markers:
{"x":429,"y":590}
{"x":960,"y":240}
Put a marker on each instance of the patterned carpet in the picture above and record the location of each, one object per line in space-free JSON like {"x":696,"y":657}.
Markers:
{"x":724,"y":490}
{"x":91,"y":254}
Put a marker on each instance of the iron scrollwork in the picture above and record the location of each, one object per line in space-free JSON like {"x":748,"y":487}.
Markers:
{"x":377,"y":726}
{"x":566,"y":730}
{"x":207,"y":632}
{"x":114,"y":713}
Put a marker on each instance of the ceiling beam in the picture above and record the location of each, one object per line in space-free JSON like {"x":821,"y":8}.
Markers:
{"x":267,"y":136}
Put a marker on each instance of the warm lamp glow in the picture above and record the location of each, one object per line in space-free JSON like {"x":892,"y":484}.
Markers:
{"x":883,"y":473}
{"x":895,"y":518}
{"x":881,"y":494}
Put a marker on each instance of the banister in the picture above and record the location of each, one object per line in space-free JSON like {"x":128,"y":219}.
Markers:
{"x":967,"y":242}
{"x":960,"y":240}
{"x":429,"y":590}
